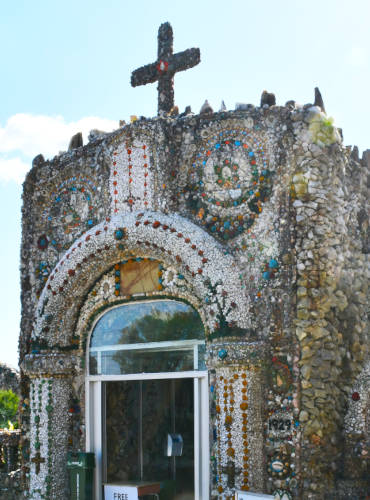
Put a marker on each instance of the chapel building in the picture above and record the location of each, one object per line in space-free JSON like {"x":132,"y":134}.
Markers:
{"x":194,"y":303}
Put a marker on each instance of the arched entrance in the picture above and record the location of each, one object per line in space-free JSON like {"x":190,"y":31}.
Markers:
{"x":147,"y":399}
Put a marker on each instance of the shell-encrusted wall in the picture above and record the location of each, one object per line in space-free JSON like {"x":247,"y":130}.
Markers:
{"x":256,"y":218}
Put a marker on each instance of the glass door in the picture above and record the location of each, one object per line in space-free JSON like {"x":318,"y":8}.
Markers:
{"x":149,"y":434}
{"x":147,"y":398}
{"x":128,"y":423}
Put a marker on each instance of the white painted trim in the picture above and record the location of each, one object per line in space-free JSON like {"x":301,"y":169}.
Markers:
{"x":94,"y":425}
{"x":197,"y":474}
{"x":88,"y":413}
{"x":173,"y":345}
{"x":204,"y":433}
{"x":97,"y":438}
{"x":147,"y":376}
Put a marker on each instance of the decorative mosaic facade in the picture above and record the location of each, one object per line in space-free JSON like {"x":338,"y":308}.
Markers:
{"x":256,"y":217}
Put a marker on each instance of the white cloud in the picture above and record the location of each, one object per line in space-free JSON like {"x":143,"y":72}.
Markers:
{"x":13,"y":169}
{"x":24,"y":136}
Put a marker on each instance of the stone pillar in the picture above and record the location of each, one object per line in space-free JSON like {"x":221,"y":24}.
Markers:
{"x":238,"y":433}
{"x":50,"y":395}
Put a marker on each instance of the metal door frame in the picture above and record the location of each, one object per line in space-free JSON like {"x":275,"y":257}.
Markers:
{"x":95,"y":418}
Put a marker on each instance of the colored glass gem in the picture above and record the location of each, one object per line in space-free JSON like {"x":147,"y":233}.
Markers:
{"x":42,"y":242}
{"x":273,"y":264}
{"x":119,"y":234}
{"x":222,"y":353}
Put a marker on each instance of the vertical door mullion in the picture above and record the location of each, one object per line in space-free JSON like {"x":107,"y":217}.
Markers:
{"x":204,"y":437}
{"x":99,"y":363}
{"x":141,"y":451}
{"x":97,"y":425}
{"x":104,"y":430}
{"x":196,"y":439}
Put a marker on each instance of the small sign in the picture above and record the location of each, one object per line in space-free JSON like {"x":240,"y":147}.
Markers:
{"x":243,"y":495}
{"x":281,"y":424}
{"x":139,"y":277}
{"x":116,"y":492}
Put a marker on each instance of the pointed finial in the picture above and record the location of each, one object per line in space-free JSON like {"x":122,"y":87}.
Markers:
{"x":223,"y":106}
{"x":318,"y":100}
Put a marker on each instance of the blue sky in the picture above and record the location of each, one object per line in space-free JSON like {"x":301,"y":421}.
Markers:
{"x":66,"y":67}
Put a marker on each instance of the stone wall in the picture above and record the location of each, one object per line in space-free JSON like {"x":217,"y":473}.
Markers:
{"x":257,"y":217}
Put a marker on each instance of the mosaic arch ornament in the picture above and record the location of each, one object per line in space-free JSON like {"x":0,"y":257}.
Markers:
{"x":131,"y":178}
{"x":72,"y":208}
{"x":171,"y":239}
{"x":231,"y":180}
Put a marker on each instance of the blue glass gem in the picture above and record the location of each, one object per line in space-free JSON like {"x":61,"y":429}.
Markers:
{"x":117,"y":273}
{"x":90,"y":222}
{"x":273,"y":264}
{"x":119,"y":234}
{"x":217,"y":146}
{"x":237,"y":143}
{"x":266,"y":275}
{"x":117,"y":286}
{"x":251,"y":153}
{"x":180,"y":276}
{"x":222,"y":353}
{"x":227,"y":224}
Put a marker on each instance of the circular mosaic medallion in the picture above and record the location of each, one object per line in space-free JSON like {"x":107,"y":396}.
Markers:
{"x":229,"y":182}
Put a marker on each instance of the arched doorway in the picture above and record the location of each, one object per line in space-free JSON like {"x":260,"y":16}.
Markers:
{"x":147,"y":399}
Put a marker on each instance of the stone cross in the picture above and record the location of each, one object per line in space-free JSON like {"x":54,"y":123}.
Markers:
{"x":231,"y":472}
{"x":38,"y":460}
{"x":164,"y":69}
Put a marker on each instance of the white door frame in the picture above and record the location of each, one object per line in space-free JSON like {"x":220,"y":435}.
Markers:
{"x":94,"y":424}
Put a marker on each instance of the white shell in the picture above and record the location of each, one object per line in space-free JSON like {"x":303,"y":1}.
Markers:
{"x":277,"y":466}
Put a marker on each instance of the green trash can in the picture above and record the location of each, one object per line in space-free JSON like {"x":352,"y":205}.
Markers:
{"x":81,"y":475}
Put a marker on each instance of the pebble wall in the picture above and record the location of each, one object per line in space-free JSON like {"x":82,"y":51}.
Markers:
{"x":258,"y":218}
